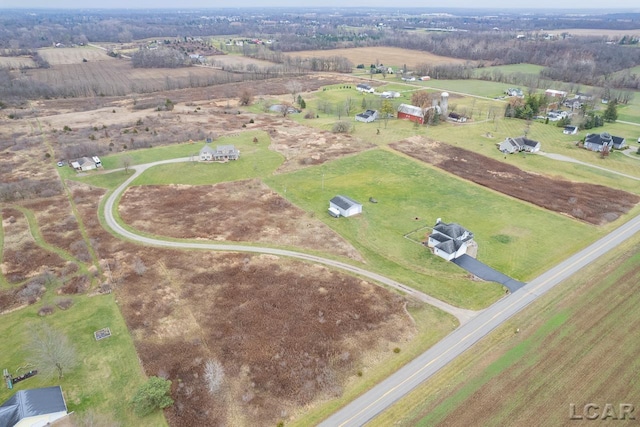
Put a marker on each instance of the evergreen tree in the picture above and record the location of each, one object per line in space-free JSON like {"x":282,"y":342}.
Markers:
{"x":611,"y":113}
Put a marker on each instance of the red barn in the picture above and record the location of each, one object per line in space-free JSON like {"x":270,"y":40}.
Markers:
{"x":411,"y":112}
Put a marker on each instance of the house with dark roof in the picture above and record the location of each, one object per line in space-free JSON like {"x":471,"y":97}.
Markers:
{"x":344,"y":206}
{"x":220,"y":153}
{"x":570,"y":130}
{"x":365,"y":88}
{"x":598,"y":141}
{"x":35,"y":407}
{"x":521,"y":143}
{"x":367,"y":116}
{"x":449,"y":241}
{"x":411,"y":112}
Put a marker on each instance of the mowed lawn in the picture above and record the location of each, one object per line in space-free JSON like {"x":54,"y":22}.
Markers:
{"x":107,"y":374}
{"x":516,"y":238}
{"x":482,"y":138}
{"x":577,"y":345}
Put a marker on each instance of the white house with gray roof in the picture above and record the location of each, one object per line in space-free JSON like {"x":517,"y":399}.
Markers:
{"x":220,"y":153}
{"x":512,"y":145}
{"x":450,"y":241}
{"x":344,"y":206}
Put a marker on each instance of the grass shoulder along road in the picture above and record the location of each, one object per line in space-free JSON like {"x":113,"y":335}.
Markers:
{"x":106,"y":375}
{"x":577,"y":345}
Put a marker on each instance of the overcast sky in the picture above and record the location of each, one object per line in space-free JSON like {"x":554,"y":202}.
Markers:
{"x":184,"y":4}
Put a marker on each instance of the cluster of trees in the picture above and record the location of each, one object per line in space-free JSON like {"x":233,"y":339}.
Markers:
{"x":28,"y":188}
{"x":160,"y":58}
{"x":526,"y":108}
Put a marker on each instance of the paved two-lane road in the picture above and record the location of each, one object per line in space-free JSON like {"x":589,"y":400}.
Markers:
{"x":376,"y":400}
{"x":461,"y":314}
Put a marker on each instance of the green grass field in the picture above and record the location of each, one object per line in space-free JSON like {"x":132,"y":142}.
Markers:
{"x":107,"y":373}
{"x":575,"y":345}
{"x":510,"y":69}
{"x":407,"y":190}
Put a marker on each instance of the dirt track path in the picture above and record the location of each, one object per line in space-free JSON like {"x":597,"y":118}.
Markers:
{"x":461,"y":314}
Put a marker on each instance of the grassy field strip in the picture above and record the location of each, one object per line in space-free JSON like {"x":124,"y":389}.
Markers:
{"x":562,"y":354}
{"x":107,"y":374}
{"x":81,"y":227}
{"x":37,"y":237}
{"x":3,"y":280}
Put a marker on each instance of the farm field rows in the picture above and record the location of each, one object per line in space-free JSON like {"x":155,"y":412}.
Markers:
{"x":574,"y":346}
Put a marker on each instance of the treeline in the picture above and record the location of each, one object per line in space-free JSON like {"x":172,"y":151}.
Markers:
{"x":160,"y":58}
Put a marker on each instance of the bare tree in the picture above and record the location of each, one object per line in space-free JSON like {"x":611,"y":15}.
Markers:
{"x":294,"y":87}
{"x":213,"y":375}
{"x":126,"y":163}
{"x":50,"y":351}
{"x":246,"y":97}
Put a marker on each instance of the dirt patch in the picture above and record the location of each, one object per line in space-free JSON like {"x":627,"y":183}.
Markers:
{"x":243,"y":211}
{"x":595,"y":204}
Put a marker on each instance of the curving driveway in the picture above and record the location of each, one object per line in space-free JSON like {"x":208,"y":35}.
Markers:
{"x":461,"y":314}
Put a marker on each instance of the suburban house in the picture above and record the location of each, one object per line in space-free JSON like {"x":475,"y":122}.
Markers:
{"x":368,"y":116}
{"x":574,"y":103}
{"x":556,"y":115}
{"x":521,"y":143}
{"x":35,"y":407}
{"x":344,"y":206}
{"x":365,"y":88}
{"x":598,"y":141}
{"x":555,"y":93}
{"x":411,"y":112}
{"x":220,"y":153}
{"x":517,"y":92}
{"x":450,"y":241}
{"x":570,"y":130}
{"x":86,"y":163}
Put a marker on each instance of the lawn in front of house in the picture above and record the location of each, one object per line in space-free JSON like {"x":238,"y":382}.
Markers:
{"x":411,"y":195}
{"x":107,"y":374}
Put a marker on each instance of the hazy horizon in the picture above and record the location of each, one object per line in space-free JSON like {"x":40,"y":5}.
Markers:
{"x":567,"y":5}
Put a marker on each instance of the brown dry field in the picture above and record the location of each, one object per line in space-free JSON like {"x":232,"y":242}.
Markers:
{"x":58,"y":225}
{"x":576,"y":345}
{"x":235,"y":60}
{"x":287,"y":333}
{"x":241,"y":211}
{"x":599,"y":32}
{"x":22,"y":258}
{"x":73,"y":55}
{"x":15,"y":62}
{"x":592,"y":203}
{"x":301,"y":145}
{"x":387,"y":55}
